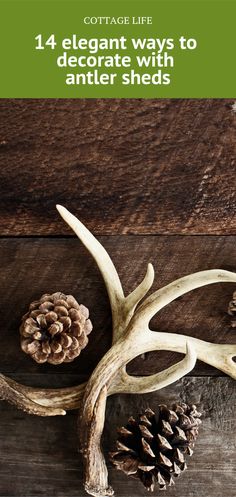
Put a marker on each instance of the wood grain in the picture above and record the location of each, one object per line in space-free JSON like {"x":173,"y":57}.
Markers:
{"x":150,"y":168}
{"x":42,"y":455}
{"x":123,"y":166}
{"x":31,"y":267}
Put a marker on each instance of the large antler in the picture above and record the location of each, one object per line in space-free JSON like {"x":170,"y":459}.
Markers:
{"x":131,"y":337}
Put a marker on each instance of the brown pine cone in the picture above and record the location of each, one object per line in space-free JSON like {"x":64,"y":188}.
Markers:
{"x":55,"y":329}
{"x":154,"y":448}
{"x":232,"y":310}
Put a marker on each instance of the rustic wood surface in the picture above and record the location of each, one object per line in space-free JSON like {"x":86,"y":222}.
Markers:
{"x":123,"y":166}
{"x":39,"y":456}
{"x":163,"y":170}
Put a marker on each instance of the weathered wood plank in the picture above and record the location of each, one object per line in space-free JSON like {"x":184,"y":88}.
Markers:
{"x":123,"y":166}
{"x":31,"y":267}
{"x":42,"y":455}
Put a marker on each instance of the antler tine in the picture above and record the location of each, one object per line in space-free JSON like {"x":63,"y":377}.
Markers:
{"x":134,"y":298}
{"x":124,"y":383}
{"x":12,"y":392}
{"x":167,"y":294}
{"x":122,"y":307}
{"x":103,"y":260}
{"x":130,"y":303}
{"x":217,"y":355}
{"x":59,"y":398}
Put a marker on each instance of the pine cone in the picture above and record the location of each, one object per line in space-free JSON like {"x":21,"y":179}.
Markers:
{"x":232,"y":310}
{"x":154,"y":448}
{"x":55,"y":329}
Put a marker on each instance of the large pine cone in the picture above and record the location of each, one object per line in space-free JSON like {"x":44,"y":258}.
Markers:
{"x":154,"y":448}
{"x":55,"y":329}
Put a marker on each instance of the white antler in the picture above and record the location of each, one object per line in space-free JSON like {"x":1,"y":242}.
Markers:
{"x":131,"y":338}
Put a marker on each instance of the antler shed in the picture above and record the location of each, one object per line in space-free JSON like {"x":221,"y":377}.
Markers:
{"x":131,"y":337}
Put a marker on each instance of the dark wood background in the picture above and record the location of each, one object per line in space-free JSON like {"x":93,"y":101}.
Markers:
{"x":155,"y":181}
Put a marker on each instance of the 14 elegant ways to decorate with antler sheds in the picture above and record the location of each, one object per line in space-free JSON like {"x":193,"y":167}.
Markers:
{"x":131,"y":337}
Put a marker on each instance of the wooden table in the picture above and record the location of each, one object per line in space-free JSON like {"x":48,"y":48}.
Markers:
{"x":155,"y":181}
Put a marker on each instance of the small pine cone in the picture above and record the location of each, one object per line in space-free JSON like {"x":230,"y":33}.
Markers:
{"x":232,"y":310}
{"x":55,"y":329}
{"x":153,"y":449}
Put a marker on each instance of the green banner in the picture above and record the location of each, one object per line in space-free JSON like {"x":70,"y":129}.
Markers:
{"x":75,"y":49}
